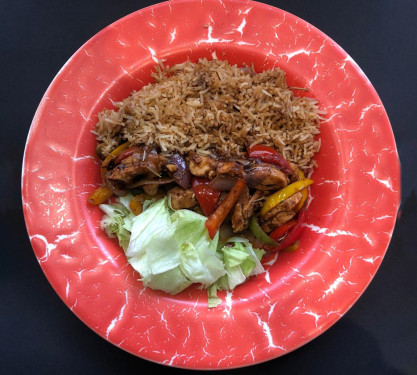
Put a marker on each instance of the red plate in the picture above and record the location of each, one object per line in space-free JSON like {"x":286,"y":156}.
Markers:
{"x":351,"y":216}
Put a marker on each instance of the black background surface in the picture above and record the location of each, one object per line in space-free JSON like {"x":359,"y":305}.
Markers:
{"x":40,"y":335}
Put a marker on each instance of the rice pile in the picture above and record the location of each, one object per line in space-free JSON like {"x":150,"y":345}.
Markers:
{"x":212,"y":105}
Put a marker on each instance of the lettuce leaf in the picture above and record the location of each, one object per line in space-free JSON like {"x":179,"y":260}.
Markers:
{"x":199,"y":261}
{"x":212,"y":299}
{"x":118,"y":220}
{"x":241,"y":261}
{"x":172,"y":249}
{"x":153,"y":235}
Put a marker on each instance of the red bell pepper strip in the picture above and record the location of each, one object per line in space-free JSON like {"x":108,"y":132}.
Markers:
{"x":199,"y":180}
{"x":292,"y":236}
{"x":125,"y":154}
{"x":206,"y":196}
{"x":269,"y":155}
{"x":279,"y":232}
{"x":216,"y":219}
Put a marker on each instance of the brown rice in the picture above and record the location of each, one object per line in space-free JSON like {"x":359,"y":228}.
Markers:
{"x":214,"y":105}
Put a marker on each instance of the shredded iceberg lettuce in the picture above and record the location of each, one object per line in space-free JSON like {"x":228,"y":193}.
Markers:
{"x":172,"y":249}
{"x":241,"y":261}
{"x":118,"y":220}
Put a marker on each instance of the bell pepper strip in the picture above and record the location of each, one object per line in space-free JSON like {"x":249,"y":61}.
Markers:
{"x":283,"y":194}
{"x":292,"y":236}
{"x":100,"y":195}
{"x":125,"y":154}
{"x":279,"y":232}
{"x":113,"y":155}
{"x":206,"y":197}
{"x":269,"y":155}
{"x":293,"y":247}
{"x":136,"y":206}
{"x":147,"y":197}
{"x":199,"y":181}
{"x":216,"y":219}
{"x":300,"y":204}
{"x":259,"y":233}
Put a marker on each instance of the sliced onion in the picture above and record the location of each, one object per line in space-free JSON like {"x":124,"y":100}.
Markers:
{"x":150,"y":181}
{"x":115,"y":188}
{"x":223,"y":183}
{"x":256,"y":175}
{"x":182,"y":176}
{"x":241,"y":161}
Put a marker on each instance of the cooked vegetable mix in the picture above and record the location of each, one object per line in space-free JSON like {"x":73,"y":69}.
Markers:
{"x":189,"y":198}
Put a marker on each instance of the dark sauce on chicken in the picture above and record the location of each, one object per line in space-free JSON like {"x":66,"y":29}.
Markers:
{"x":231,"y":192}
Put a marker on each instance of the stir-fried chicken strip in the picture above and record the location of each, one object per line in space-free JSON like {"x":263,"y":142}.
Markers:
{"x":294,"y":172}
{"x":144,"y":161}
{"x":150,"y":189}
{"x":266,"y":177}
{"x":230,"y":168}
{"x":202,"y":166}
{"x":244,"y":209}
{"x":281,"y":213}
{"x":182,"y":198}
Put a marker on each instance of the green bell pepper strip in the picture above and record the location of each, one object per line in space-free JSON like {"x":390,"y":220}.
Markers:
{"x":259,"y":233}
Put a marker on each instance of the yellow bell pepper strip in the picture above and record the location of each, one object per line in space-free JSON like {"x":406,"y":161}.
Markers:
{"x":113,"y":155}
{"x":300,"y":204}
{"x":100,"y":195}
{"x":284,"y":193}
{"x":136,"y":206}
{"x":216,"y":219}
{"x":259,"y":233}
{"x":293,"y":247}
